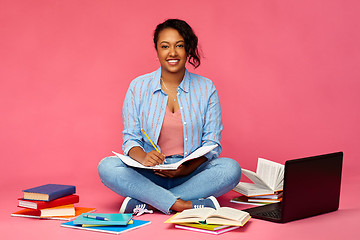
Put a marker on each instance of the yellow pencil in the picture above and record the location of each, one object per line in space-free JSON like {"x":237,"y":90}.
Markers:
{"x":150,"y":141}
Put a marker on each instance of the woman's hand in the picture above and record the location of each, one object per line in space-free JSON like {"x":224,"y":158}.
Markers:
{"x":149,"y":159}
{"x":153,"y":158}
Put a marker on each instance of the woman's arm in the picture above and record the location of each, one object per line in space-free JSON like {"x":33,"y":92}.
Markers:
{"x":213,"y":126}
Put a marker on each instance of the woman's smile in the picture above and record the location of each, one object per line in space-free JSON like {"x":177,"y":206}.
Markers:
{"x":173,"y":61}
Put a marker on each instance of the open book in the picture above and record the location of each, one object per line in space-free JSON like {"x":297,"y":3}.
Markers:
{"x":268,"y":179}
{"x":223,"y":216}
{"x":197,"y":153}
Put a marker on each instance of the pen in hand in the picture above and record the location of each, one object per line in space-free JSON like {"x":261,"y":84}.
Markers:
{"x":151,"y":141}
{"x":96,"y":217}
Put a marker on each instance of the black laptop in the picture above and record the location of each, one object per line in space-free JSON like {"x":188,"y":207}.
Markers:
{"x":311,"y":187}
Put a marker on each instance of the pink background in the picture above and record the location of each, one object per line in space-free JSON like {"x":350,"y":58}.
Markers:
{"x":287,"y":73}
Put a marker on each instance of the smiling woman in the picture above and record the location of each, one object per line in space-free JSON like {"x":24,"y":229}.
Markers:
{"x":172,"y":52}
{"x":180,"y":112}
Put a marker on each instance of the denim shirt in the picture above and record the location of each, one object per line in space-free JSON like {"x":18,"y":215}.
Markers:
{"x":144,"y":107}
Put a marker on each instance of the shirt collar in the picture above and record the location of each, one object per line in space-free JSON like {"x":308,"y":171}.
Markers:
{"x":184,"y":85}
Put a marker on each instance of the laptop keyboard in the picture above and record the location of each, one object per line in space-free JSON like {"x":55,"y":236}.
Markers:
{"x":276,"y":214}
{"x":269,"y":211}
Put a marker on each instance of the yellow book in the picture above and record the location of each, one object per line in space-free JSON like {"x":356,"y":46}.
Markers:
{"x":64,"y":210}
{"x":200,"y":225}
{"x":90,"y":225}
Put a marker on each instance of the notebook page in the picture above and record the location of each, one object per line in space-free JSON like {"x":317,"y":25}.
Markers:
{"x":197,"y":153}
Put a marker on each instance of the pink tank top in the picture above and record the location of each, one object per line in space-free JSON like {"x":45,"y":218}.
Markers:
{"x":171,"y":139}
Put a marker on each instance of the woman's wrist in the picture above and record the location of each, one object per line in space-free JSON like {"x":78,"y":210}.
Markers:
{"x":138,"y":154}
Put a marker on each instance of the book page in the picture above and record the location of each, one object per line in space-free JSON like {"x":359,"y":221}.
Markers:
{"x":255,"y":179}
{"x":229,"y":213}
{"x":280,"y":182}
{"x":197,"y":153}
{"x":192,"y":215}
{"x":269,"y":172}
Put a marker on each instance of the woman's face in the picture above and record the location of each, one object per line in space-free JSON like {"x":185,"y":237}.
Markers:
{"x":171,"y":51}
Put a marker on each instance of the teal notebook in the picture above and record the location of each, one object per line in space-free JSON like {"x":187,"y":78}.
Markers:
{"x":109,"y":229}
{"x":114,"y":219}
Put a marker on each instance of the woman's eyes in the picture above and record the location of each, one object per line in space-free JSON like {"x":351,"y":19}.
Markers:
{"x":178,"y":46}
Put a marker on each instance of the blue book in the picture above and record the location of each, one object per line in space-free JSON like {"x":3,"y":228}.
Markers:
{"x":48,"y":192}
{"x":109,"y":229}
{"x":112,"y":219}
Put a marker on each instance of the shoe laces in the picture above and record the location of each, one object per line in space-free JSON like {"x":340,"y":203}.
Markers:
{"x":141,"y":209}
{"x":198,"y":206}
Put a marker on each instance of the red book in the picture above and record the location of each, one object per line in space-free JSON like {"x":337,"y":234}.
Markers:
{"x":36,"y":204}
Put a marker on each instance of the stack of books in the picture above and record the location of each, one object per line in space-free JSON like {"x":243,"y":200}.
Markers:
{"x":209,"y":220}
{"x":266,"y":186}
{"x":50,"y":201}
{"x":259,"y":199}
{"x":114,"y":223}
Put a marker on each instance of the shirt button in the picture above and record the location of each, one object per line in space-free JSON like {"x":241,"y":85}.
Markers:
{"x":185,"y":153}
{"x":181,"y":108}
{"x":185,"y":139}
{"x":185,"y":123}
{"x":178,"y":93}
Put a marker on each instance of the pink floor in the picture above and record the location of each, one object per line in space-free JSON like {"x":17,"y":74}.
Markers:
{"x":342,"y":224}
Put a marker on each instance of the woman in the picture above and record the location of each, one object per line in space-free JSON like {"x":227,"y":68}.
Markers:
{"x":180,"y":112}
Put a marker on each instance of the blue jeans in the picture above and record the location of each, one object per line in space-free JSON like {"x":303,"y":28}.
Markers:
{"x":213,"y":178}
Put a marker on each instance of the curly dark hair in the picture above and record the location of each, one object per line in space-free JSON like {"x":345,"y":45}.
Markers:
{"x":191,"y":40}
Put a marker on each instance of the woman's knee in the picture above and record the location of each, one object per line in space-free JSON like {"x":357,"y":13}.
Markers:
{"x":232,"y":169}
{"x":108,"y":164}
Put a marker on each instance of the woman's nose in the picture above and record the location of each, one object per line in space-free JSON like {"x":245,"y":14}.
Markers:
{"x":172,"y":51}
